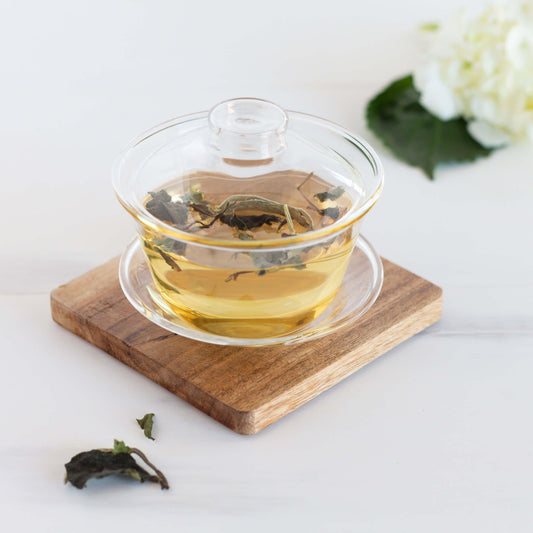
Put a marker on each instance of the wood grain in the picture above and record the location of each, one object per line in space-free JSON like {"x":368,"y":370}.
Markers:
{"x":244,"y":388}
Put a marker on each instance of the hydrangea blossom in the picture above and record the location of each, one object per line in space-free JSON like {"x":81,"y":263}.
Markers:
{"x":482,"y":69}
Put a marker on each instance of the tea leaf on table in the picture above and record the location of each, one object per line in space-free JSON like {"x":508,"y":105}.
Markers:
{"x":116,"y":461}
{"x":120,"y":447}
{"x":98,"y":464}
{"x":147,"y":423}
{"x":416,"y":136}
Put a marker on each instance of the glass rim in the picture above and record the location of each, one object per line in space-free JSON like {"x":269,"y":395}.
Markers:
{"x":142,"y":215}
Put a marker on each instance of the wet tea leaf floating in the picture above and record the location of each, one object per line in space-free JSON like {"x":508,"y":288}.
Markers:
{"x":147,"y":423}
{"x":116,"y":461}
{"x":332,"y":194}
{"x":162,"y":207}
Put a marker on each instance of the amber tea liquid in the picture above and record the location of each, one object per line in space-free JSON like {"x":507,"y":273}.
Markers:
{"x":249,"y":294}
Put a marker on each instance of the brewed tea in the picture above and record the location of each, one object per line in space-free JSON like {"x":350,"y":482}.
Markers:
{"x":249,"y":293}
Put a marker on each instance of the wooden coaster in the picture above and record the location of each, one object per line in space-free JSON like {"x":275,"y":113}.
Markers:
{"x":244,"y":388}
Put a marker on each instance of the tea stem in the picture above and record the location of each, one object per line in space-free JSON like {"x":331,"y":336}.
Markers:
{"x":162,"y":479}
{"x":299,"y":189}
{"x":289,"y":218}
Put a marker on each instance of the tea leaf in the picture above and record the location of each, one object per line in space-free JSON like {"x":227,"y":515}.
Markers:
{"x":161,"y":196}
{"x":177,"y":213}
{"x":252,"y":202}
{"x":331,"y":212}
{"x":98,"y":464}
{"x":171,"y":245}
{"x":270,"y":262}
{"x":168,"y":260}
{"x":147,"y":423}
{"x":248,"y":222}
{"x":118,"y":461}
{"x":156,"y":206}
{"x":416,"y":136}
{"x":332,"y":194}
{"x":193,"y":197}
{"x":120,"y":447}
{"x":162,"y":207}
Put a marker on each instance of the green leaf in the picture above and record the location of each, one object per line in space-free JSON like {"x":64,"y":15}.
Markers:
{"x":416,"y":136}
{"x":147,"y":423}
{"x":120,"y":447}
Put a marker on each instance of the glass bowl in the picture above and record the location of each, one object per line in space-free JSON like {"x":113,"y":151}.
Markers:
{"x":253,"y":291}
{"x":359,"y":289}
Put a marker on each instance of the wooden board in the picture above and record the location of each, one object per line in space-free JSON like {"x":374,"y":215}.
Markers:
{"x":244,"y":388}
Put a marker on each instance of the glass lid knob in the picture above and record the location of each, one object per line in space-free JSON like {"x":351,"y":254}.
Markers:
{"x":248,"y":129}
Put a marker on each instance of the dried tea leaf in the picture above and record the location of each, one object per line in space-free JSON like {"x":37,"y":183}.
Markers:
{"x":98,"y":464}
{"x":118,"y":461}
{"x":332,"y":194}
{"x":147,"y":423}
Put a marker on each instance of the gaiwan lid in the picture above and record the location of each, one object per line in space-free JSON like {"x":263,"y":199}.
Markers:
{"x":248,"y":171}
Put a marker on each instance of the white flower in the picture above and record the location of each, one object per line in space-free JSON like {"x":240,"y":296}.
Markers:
{"x":482,"y":69}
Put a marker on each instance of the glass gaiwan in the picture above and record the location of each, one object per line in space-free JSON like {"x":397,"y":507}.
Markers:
{"x":248,"y":219}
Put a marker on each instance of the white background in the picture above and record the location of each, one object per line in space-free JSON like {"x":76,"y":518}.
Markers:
{"x":435,"y":436}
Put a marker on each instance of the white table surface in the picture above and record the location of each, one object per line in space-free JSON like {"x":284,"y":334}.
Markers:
{"x":435,"y":436}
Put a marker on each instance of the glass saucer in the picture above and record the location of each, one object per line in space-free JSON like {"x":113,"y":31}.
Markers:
{"x":359,"y":290}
